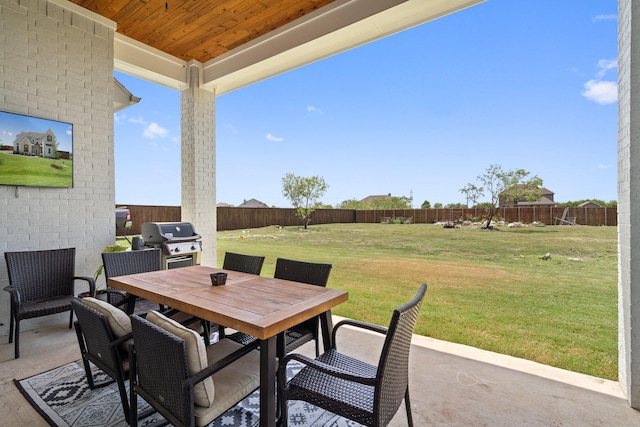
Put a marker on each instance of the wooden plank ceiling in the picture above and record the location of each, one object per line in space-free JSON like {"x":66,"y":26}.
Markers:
{"x":199,"y":29}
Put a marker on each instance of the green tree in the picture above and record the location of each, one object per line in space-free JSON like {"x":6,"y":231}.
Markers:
{"x":395,"y":202}
{"x":304,"y":194}
{"x":352,"y":204}
{"x":482,"y":205}
{"x":437,"y":205}
{"x":505,"y":187}
{"x":602,"y":203}
{"x":426,"y":205}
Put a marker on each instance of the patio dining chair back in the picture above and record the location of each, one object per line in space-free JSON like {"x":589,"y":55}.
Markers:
{"x":41,"y":283}
{"x":351,"y":388}
{"x":301,"y":271}
{"x":125,"y":263}
{"x":304,"y":272}
{"x":104,"y":346}
{"x":251,"y":264}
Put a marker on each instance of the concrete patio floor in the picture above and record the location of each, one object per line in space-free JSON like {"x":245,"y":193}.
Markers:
{"x":450,"y":384}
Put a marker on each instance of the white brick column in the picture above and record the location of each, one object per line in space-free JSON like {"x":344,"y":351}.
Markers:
{"x":199,"y":161}
{"x":629,"y":200}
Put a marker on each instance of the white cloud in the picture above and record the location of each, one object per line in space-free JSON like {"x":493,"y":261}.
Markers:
{"x":69,"y":131}
{"x":270,"y":137}
{"x":602,"y":92}
{"x":154,"y":130}
{"x":138,"y":120}
{"x":599,"y":90}
{"x":610,"y":17}
{"x":312,"y":109}
{"x":601,"y":166}
{"x":605,"y":65}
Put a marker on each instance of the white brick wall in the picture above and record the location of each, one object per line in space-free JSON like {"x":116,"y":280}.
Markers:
{"x":623,"y":188}
{"x":629,"y":199}
{"x":58,"y":65}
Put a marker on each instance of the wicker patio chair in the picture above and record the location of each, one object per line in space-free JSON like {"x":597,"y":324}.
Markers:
{"x":251,"y":264}
{"x":124,"y":263}
{"x":172,"y":369}
{"x":41,"y":283}
{"x":303,"y":272}
{"x":142,"y":261}
{"x":104,"y":332}
{"x":367,"y":394}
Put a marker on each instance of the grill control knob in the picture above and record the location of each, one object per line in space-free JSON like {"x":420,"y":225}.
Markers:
{"x":193,"y":247}
{"x":177,"y":250}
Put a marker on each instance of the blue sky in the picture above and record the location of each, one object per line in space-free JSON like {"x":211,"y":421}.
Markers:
{"x":526,"y":84}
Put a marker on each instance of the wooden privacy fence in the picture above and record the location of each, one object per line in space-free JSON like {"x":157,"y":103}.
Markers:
{"x":229,"y":218}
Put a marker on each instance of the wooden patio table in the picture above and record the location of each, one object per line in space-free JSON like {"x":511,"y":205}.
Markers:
{"x":260,"y":306}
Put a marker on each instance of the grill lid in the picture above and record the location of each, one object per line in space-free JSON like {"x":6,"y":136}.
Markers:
{"x":161,"y":232}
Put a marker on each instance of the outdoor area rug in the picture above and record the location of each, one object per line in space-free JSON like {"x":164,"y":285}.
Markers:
{"x":63,"y":398}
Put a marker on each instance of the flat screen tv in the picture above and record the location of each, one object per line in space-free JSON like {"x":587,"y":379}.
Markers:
{"x":35,"y":152}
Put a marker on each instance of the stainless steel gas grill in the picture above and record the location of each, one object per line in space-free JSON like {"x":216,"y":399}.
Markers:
{"x":180,"y":244}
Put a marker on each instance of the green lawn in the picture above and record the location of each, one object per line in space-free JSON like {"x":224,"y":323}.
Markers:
{"x":487,"y":289}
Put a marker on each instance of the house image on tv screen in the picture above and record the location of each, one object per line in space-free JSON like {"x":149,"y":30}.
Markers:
{"x":36,"y":144}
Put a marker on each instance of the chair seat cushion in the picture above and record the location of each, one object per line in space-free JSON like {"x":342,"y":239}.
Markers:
{"x":117,"y":319}
{"x":203,"y":392}
{"x":233,"y":383}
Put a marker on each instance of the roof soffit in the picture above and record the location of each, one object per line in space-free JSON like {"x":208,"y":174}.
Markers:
{"x":334,"y":28}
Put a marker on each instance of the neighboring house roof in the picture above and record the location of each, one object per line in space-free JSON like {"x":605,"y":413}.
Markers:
{"x":223,"y":205}
{"x":546,"y":192}
{"x":589,"y":204}
{"x":252,"y":203}
{"x":542,"y":201}
{"x":370,"y":199}
{"x":546,"y":199}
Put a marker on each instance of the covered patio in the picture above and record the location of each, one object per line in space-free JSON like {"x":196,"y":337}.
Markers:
{"x":450,"y":384}
{"x":58,"y":62}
